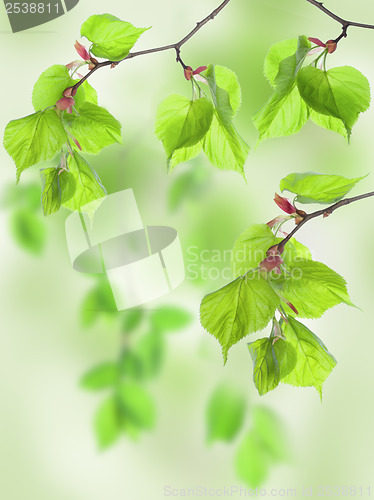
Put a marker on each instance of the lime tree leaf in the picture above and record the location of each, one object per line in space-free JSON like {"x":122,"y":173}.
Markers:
{"x":182,"y":123}
{"x":227,"y":80}
{"x":250,"y":248}
{"x":28,"y":231}
{"x":149,"y":352}
{"x":136,"y":405}
{"x":132,"y":319}
{"x":170,"y":318}
{"x":185,"y":154}
{"x":271,"y":433}
{"x":312,"y":287}
{"x":276,"y":54}
{"x":341,"y":92}
{"x":51,"y":190}
{"x":98,"y":302}
{"x":111,"y":38}
{"x":107,"y":423}
{"x":89,"y":92}
{"x":221,"y":96}
{"x":281,"y":116}
{"x":290,"y":66}
{"x":102,"y":376}
{"x":318,"y":188}
{"x":224,"y":147}
{"x":88,"y":184}
{"x":130,"y":365}
{"x":95,"y":128}
{"x":252,"y":460}
{"x":225,"y":413}
{"x":314,"y":362}
{"x":272,"y":361}
{"x":328,"y":122}
{"x":294,"y":251}
{"x":34,"y":138}
{"x":244,"y":306}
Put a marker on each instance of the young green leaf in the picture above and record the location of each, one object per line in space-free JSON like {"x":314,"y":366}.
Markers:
{"x":244,"y":306}
{"x":137,"y":405}
{"x":250,"y":248}
{"x":341,"y":92}
{"x":132,"y":319}
{"x":98,"y":302}
{"x":89,"y":92}
{"x":102,"y":376}
{"x":51,"y":190}
{"x":185,"y":154}
{"x":111,"y":38}
{"x":28,"y":230}
{"x":290,"y":66}
{"x":272,"y":361}
{"x":318,"y":188}
{"x":107,"y":424}
{"x":149,"y":352}
{"x":95,"y":128}
{"x":312,"y":287}
{"x":225,"y":413}
{"x":221,"y":96}
{"x":182,"y":123}
{"x":328,"y":122}
{"x":270,"y":431}
{"x":170,"y":318}
{"x":276,"y":54}
{"x":88,"y":184}
{"x":314,"y":362}
{"x":252,"y":460}
{"x":281,"y":116}
{"x":34,"y":138}
{"x":227,"y":80}
{"x":49,"y":87}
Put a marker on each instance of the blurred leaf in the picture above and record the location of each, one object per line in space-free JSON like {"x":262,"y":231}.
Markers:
{"x":136,"y":405}
{"x":170,"y":318}
{"x":101,"y":377}
{"x":25,"y":195}
{"x":107,"y":423}
{"x":98,"y":302}
{"x":225,"y":414}
{"x":28,"y":230}
{"x":131,"y":365}
{"x":252,"y":461}
{"x":150,"y":351}
{"x":270,"y":431}
{"x":132,"y":319}
{"x":189,"y":185}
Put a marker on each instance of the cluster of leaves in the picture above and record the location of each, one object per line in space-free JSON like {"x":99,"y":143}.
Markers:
{"x":187,"y":127}
{"x":260,"y":447}
{"x":293,"y":285}
{"x":129,"y":408}
{"x":332,"y":99}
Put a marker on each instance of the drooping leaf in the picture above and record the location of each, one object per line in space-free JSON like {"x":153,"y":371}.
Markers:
{"x":111,"y":38}
{"x":150,"y":351}
{"x":227,"y":80}
{"x":318,"y":188}
{"x":28,"y":230}
{"x":271,"y":432}
{"x":88,"y":184}
{"x":107,"y":424}
{"x":51,"y":190}
{"x":137,"y":405}
{"x":312,"y":287}
{"x":244,"y":306}
{"x":272,"y":361}
{"x":225,"y":413}
{"x":170,"y":318}
{"x":252,"y":460}
{"x":95,"y":128}
{"x":98,"y":302}
{"x":221,"y":96}
{"x":102,"y":376}
{"x":341,"y":92}
{"x":281,"y":116}
{"x":328,"y":122}
{"x":276,"y":54}
{"x":185,"y":154}
{"x":132,"y":319}
{"x":89,"y":92}
{"x":34,"y":138}
{"x":49,"y":86}
{"x":182,"y":123}
{"x":314,"y":362}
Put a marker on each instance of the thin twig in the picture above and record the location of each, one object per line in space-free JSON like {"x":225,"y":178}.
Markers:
{"x":174,"y":46}
{"x":324,"y":213}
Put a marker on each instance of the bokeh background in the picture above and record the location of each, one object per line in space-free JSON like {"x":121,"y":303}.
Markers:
{"x":47,"y":444}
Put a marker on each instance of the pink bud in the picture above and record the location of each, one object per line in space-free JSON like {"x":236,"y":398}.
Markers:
{"x":331,"y":46}
{"x":188,"y":72}
{"x":74,"y":64}
{"x":284,"y":204}
{"x":317,"y":41}
{"x":65,"y":103}
{"x":199,"y":70}
{"x":82,"y":51}
{"x":272,"y":263}
{"x":69,"y":92}
{"x":277,"y":220}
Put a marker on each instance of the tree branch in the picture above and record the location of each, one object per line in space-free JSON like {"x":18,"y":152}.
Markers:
{"x":174,"y":46}
{"x":324,"y":213}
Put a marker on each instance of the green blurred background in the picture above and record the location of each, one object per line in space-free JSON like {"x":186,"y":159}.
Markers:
{"x":47,"y":446}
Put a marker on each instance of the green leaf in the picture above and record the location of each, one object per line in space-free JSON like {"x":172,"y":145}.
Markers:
{"x":341,"y":92}
{"x":221,"y":96}
{"x":95,"y":128}
{"x":183,"y":155}
{"x":150,"y":351}
{"x":314,"y":362}
{"x":272,"y":361}
{"x":137,"y":405}
{"x":244,"y":306}
{"x":289,"y":67}
{"x":271,"y":433}
{"x":182,"y":123}
{"x":224,"y":147}
{"x":89,"y":92}
{"x":107,"y":423}
{"x":318,"y":188}
{"x":294,"y":252}
{"x":328,"y":122}
{"x":28,"y":230}
{"x":102,"y":376}
{"x":132,"y":319}
{"x":111,"y":38}
{"x":170,"y":318}
{"x":281,"y":116}
{"x":57,"y":187}
{"x":227,"y":80}
{"x":276,"y":54}
{"x":252,"y":460}
{"x":225,"y":413}
{"x":88,"y":184}
{"x":34,"y":138}
{"x":98,"y":301}
{"x":312,"y":287}
{"x":251,"y":247}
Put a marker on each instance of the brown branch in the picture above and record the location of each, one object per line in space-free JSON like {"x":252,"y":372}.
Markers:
{"x":174,"y":46}
{"x":324,"y":213}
